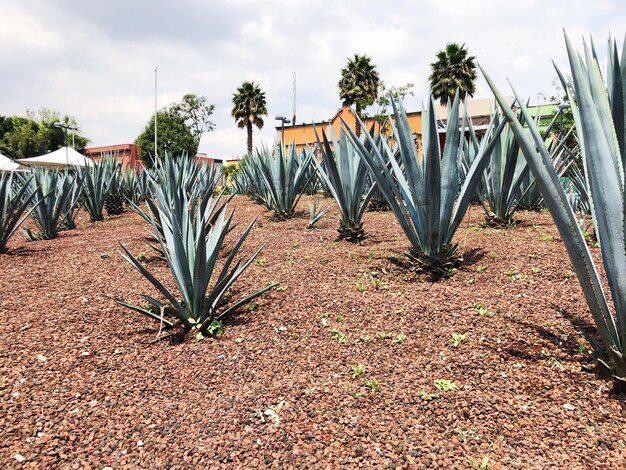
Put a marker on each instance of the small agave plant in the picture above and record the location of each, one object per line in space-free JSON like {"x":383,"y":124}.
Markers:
{"x":426,"y":194}
{"x":15,"y":198}
{"x":191,"y":235}
{"x":600,"y":118}
{"x":55,"y":198}
{"x":284,"y":177}
{"x":346,"y":176}
{"x":317,"y":212}
{"x":95,"y":181}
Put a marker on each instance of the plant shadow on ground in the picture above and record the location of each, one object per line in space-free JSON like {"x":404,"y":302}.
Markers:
{"x":473,"y":256}
{"x":568,"y":345}
{"x":22,"y":251}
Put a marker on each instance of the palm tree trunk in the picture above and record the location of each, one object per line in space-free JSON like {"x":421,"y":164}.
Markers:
{"x":357,"y":125}
{"x":249,"y":129}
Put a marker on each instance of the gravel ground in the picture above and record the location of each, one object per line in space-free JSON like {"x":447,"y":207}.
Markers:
{"x":85,"y":385}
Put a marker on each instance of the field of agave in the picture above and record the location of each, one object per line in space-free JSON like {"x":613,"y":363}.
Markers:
{"x":206,"y":325}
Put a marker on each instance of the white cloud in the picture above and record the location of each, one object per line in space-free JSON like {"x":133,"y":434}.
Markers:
{"x":96,"y":60}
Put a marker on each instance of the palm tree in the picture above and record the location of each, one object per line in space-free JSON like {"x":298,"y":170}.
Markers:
{"x":453,"y":70}
{"x":358,"y":85}
{"x":249,"y":107}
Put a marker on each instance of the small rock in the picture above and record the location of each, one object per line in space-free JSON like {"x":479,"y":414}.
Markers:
{"x":85,"y":353}
{"x":85,"y":300}
{"x":569,"y":407}
{"x":282,"y":328}
{"x":139,"y":443}
{"x":104,"y":256}
{"x":42,"y":358}
{"x":238,"y":340}
{"x":15,"y":394}
{"x":20,"y":458}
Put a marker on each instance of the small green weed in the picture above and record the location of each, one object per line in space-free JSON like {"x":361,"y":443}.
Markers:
{"x":372,"y":385}
{"x":401,"y":338}
{"x":456,"y":340}
{"x":445,"y":385}
{"x":358,"y":371}
{"x":339,"y":336}
{"x":482,"y":311}
{"x":483,"y":465}
{"x":381,"y":335}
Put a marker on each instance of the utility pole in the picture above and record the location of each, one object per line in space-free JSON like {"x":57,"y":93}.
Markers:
{"x":155,"y":113}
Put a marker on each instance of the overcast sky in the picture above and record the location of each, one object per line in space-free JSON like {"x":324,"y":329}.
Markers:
{"x":95,"y":59}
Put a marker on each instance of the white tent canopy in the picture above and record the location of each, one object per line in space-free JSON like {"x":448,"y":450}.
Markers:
{"x":6,"y":164}
{"x":65,"y":157}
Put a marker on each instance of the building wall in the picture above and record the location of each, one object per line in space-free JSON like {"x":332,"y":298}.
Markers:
{"x":127,"y":154}
{"x":303,"y":135}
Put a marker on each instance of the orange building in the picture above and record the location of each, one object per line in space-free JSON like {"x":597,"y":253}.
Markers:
{"x":127,"y":154}
{"x":303,"y":135}
{"x":204,"y":158}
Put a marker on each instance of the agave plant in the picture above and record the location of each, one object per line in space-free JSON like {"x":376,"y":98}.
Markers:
{"x":55,"y":196}
{"x":197,"y":179}
{"x":136,"y":186}
{"x":311,"y":178}
{"x":72,"y":203}
{"x":15,"y":199}
{"x":191,"y":236}
{"x":506,"y":179}
{"x":284,"y":176}
{"x":165,"y":197}
{"x":249,"y":180}
{"x":422,"y":192}
{"x":95,"y":182}
{"x":346,"y":176}
{"x":114,"y":200}
{"x":316,"y":213}
{"x":599,"y":118}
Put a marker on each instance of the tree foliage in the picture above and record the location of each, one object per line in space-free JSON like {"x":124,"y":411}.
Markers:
{"x":387,"y":95}
{"x":35,"y":134}
{"x":358,"y":85}
{"x":453,"y":70}
{"x":196,"y":113}
{"x":173,"y":137}
{"x":179,"y":128}
{"x":249,"y":107}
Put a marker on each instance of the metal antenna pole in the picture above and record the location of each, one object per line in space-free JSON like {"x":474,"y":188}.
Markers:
{"x":293,"y":121}
{"x":155,"y":112}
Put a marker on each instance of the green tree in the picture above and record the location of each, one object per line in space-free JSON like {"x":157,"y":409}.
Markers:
{"x":35,"y":134}
{"x":385,"y":97}
{"x":565,"y":123}
{"x":453,"y":70}
{"x":174,"y":138}
{"x":196,"y":113}
{"x":249,"y":107}
{"x":358,"y":85}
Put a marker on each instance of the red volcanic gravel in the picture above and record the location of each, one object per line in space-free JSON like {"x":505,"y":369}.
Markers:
{"x":85,"y":385}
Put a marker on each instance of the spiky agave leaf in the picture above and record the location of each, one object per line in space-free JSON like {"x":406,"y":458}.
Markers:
{"x":72,"y":203}
{"x":284,"y":176}
{"x":95,"y":181}
{"x":596,"y":114}
{"x":427,"y":195}
{"x":54,"y":192}
{"x":15,"y":199}
{"x":317,"y":211}
{"x":191,"y":247}
{"x":346,"y":177}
